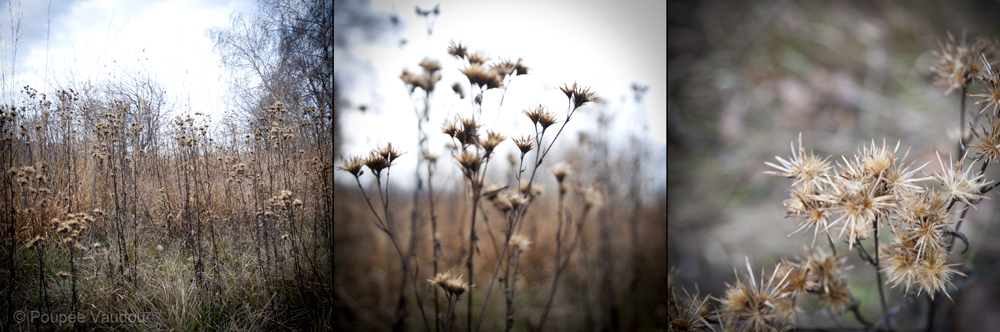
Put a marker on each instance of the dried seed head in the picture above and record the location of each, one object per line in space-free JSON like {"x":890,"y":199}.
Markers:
{"x":449,"y":128}
{"x":591,"y":195}
{"x":560,"y":170}
{"x":458,"y":51}
{"x":534,"y":114}
{"x":525,"y":144}
{"x":520,"y":243}
{"x":31,"y":243}
{"x":297,"y":202}
{"x":430,"y":66}
{"x":492,"y":140}
{"x":477,"y":58}
{"x":389,"y":153}
{"x":469,"y":160}
{"x":352,"y":165}
{"x":479,"y":75}
{"x":515,"y":200}
{"x":546,"y":119}
{"x":63,"y":274}
{"x":960,"y":185}
{"x":957,"y":63}
{"x":991,"y":81}
{"x":159,"y":248}
{"x":451,"y":284}
{"x":458,"y":89}
{"x":376,"y":163}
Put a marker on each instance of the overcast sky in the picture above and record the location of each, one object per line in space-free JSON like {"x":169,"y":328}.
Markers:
{"x":77,"y":41}
{"x":603,"y":44}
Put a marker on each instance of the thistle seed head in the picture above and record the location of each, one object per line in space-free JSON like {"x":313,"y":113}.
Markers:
{"x":458,"y":51}
{"x":525,"y":144}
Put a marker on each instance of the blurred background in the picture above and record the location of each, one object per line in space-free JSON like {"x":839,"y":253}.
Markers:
{"x":745,"y":78}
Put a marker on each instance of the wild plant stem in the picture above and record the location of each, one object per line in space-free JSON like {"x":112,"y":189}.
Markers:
{"x":878,"y":274}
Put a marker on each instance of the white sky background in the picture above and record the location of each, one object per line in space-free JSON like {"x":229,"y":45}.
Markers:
{"x":99,"y":40}
{"x":604,"y":44}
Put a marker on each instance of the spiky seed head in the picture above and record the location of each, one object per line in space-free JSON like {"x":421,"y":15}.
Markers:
{"x":515,"y":200}
{"x":352,"y":165}
{"x":568,"y":90}
{"x":376,"y":163}
{"x":525,"y":144}
{"x":477,"y":58}
{"x":481,"y":76}
{"x":389,"y":153}
{"x":451,"y":284}
{"x":457,"y":50}
{"x":560,"y":170}
{"x":469,"y":160}
{"x":583,"y":95}
{"x":502,"y":203}
{"x":449,"y":128}
{"x":546,"y":119}
{"x":492,"y":140}
{"x":297,"y":202}
{"x":534,"y":114}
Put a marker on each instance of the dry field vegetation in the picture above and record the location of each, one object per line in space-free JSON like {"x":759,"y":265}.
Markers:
{"x":126,"y":219}
{"x":556,"y":240}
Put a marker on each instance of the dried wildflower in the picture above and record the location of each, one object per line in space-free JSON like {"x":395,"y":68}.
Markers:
{"x":858,"y":201}
{"x":688,"y":312}
{"x":159,"y":248}
{"x":515,"y":200}
{"x":957,"y":64}
{"x":352,"y":165}
{"x":297,"y":202}
{"x":503,"y":68}
{"x":591,"y":195}
{"x":825,"y":269}
{"x":477,"y":58}
{"x":959,"y":185}
{"x":989,"y":140}
{"x":519,"y":243}
{"x":467,"y":132}
{"x":389,"y":153}
{"x":805,"y":169}
{"x":816,"y":213}
{"x":525,"y":144}
{"x":536,"y":189}
{"x":479,"y":75}
{"x":449,"y":128}
{"x":755,"y":303}
{"x":376,"y":163}
{"x":799,"y":279}
{"x":560,"y":170}
{"x":492,"y":140}
{"x":451,"y":284}
{"x":836,"y":297}
{"x":546,"y":119}
{"x":469,"y":160}
{"x":458,"y":51}
{"x":991,"y":81}
{"x":578,"y":94}
{"x":63,"y":274}
{"x":430,"y":66}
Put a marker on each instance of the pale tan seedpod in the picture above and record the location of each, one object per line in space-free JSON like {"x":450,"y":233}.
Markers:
{"x":63,"y":274}
{"x":159,"y":248}
{"x":519,"y":243}
{"x":560,"y":170}
{"x":525,"y":144}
